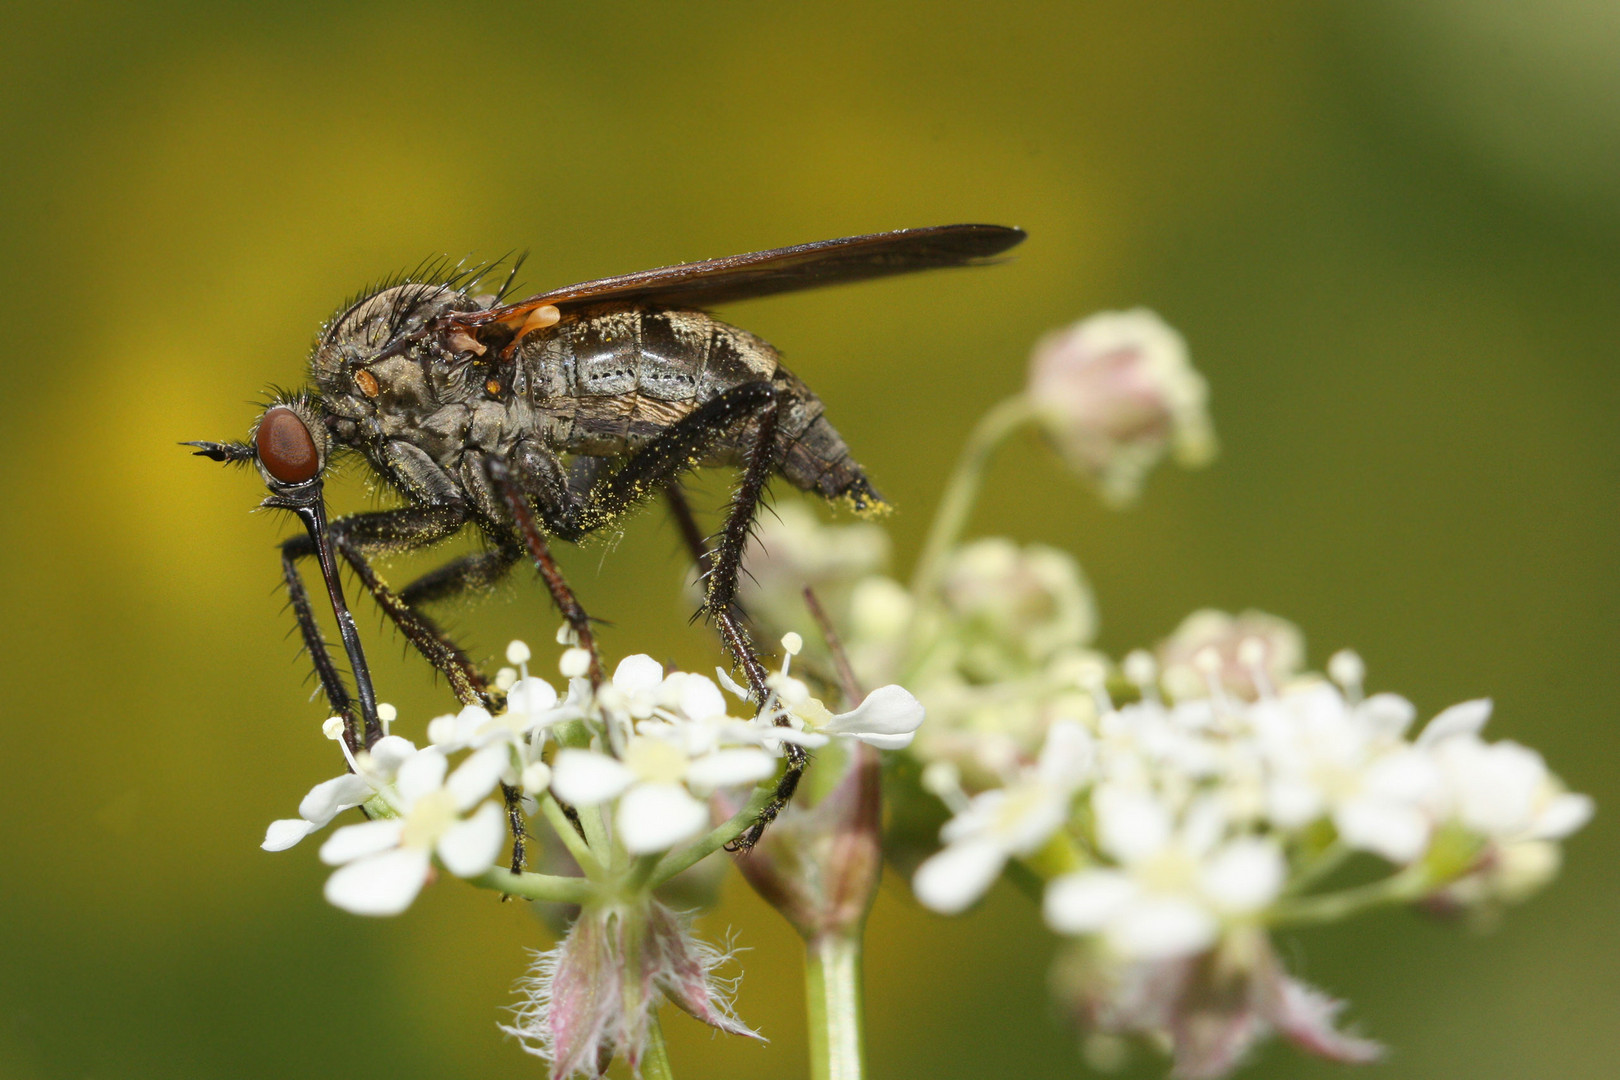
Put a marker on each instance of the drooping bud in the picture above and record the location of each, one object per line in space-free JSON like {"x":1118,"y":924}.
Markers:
{"x":1115,"y":392}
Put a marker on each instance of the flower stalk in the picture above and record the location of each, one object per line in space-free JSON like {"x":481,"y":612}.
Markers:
{"x":832,"y":976}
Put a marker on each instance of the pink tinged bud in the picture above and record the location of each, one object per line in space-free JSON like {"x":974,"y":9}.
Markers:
{"x":1248,"y":655}
{"x":1212,"y":1009}
{"x":1116,"y":392}
{"x":593,"y":996}
{"x":818,"y":866}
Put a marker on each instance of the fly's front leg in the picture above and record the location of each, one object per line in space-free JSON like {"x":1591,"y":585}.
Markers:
{"x":355,"y":732}
{"x":386,"y":531}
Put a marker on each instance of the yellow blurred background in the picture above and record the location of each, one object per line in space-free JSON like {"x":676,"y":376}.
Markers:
{"x":1390,"y":232}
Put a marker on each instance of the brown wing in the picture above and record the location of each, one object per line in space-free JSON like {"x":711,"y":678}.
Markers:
{"x":763,"y":273}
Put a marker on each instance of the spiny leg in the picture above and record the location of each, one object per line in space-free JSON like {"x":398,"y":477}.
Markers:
{"x":725,"y":568}
{"x":511,"y":492}
{"x":337,"y":694}
{"x":359,"y":535}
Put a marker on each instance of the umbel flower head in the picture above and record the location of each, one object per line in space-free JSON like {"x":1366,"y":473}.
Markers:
{"x":1174,"y":835}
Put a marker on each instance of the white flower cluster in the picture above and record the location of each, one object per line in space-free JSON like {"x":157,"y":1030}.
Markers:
{"x":647,"y":749}
{"x":1172,"y":836}
{"x":1179,"y":821}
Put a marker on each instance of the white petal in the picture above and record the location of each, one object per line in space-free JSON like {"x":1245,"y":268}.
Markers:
{"x":424,"y":772}
{"x":1245,"y":875}
{"x":389,"y":754}
{"x":331,"y":797}
{"x":1162,"y":928}
{"x":730,"y":768}
{"x":1131,"y":825}
{"x":1067,"y":755}
{"x":656,"y":817}
{"x":888,"y":710}
{"x":958,"y":875}
{"x":536,"y":777}
{"x":1562,"y":816}
{"x":585,"y":777}
{"x":357,"y":841}
{"x":638,"y":674}
{"x":1085,"y":901}
{"x":477,"y":776}
{"x":1467,"y":718}
{"x":886,"y":742}
{"x":531,"y":696}
{"x":468,"y":848}
{"x":283,"y":834}
{"x":1389,"y":714}
{"x":732,"y":685}
{"x":700,"y":698}
{"x":383,"y":884}
{"x":1398,"y":833}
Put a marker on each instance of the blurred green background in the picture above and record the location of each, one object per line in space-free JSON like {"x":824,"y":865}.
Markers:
{"x":1390,"y":232}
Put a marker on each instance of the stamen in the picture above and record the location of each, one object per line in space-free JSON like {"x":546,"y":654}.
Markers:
{"x":387,"y":714}
{"x":1346,"y":668}
{"x":1093,"y":678}
{"x":1251,"y":653}
{"x":1208,"y":663}
{"x":1143,"y":672}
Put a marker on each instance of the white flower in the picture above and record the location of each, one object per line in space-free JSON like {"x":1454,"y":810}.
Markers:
{"x":374,"y":769}
{"x":1174,"y":884}
{"x":384,"y":863}
{"x":1115,"y":391}
{"x":1499,"y":791}
{"x":1008,"y":822}
{"x":653,"y":784}
{"x":1350,"y":763}
{"x":887,"y":718}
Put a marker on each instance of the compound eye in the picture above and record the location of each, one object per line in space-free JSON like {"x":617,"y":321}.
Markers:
{"x":285,"y":447}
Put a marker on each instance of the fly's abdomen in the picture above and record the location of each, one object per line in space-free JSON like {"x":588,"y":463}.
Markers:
{"x":611,"y":379}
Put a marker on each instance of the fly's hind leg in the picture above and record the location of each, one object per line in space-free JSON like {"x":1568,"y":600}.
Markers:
{"x":653,"y":468}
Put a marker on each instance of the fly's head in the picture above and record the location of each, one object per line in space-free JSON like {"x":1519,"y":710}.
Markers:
{"x":290,"y":445}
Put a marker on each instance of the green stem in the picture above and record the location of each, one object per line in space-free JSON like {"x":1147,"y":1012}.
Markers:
{"x":962,"y":490}
{"x":832,"y":976}
{"x":576,"y":845}
{"x":718,"y":837}
{"x":1408,"y":885}
{"x":655,"y":1061}
{"x":562,"y":890}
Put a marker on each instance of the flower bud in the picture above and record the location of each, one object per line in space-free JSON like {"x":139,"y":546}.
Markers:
{"x":1115,"y":392}
{"x":1241,"y":654}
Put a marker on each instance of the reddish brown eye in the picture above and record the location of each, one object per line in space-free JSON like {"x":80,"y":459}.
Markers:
{"x":285,"y":447}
